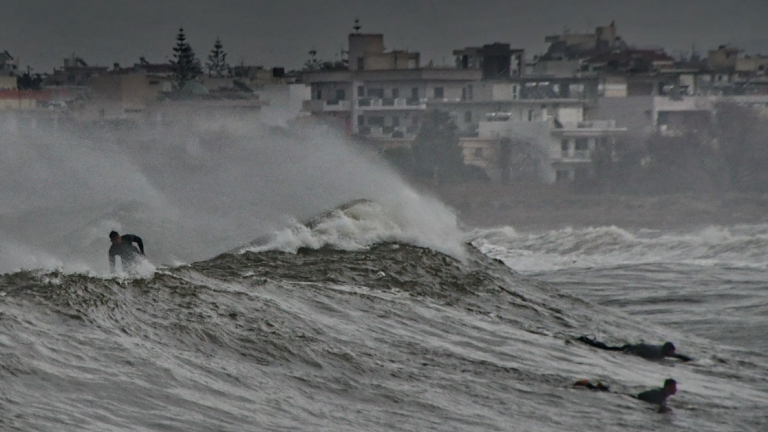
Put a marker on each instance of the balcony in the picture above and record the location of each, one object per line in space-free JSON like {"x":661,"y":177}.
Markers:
{"x":576,"y":156}
{"x":380,"y":104}
{"x":597,"y":124}
{"x":337,"y":105}
{"x":316,"y":106}
{"x":581,"y":155}
{"x":388,"y":132}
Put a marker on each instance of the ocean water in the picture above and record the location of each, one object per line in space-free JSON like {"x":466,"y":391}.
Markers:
{"x":380,"y":315}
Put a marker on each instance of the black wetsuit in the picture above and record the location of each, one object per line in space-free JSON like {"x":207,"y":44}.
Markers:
{"x":646,"y":351}
{"x":126,"y":251}
{"x":656,"y":396}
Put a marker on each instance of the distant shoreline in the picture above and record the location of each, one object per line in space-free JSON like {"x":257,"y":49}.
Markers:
{"x":538,"y":207}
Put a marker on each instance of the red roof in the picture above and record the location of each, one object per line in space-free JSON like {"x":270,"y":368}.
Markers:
{"x":38,"y":95}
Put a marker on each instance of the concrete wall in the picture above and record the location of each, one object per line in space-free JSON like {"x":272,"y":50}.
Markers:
{"x":538,"y":134}
{"x":285,"y":102}
{"x":569,"y":115}
{"x":633,"y":112}
{"x":20,"y":104}
{"x":500,"y":92}
{"x":7,"y":82}
{"x":556,"y":68}
{"x":116,"y":97}
{"x":752,"y":64}
{"x":362,"y":45}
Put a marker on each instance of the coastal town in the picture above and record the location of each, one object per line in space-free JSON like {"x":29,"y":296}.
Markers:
{"x":561,"y":116}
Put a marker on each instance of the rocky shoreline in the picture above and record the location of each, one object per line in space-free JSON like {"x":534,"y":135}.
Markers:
{"x":537,"y":207}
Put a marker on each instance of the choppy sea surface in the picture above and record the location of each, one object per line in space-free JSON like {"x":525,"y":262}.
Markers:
{"x":267,"y":305}
{"x":347,"y":324}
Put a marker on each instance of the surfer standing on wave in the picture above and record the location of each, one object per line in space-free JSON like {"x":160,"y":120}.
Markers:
{"x":123,"y":247}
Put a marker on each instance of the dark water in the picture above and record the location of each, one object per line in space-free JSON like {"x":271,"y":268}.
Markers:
{"x":388,"y":337}
{"x":376,"y":317}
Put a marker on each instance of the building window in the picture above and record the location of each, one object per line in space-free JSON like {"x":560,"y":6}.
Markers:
{"x":479,"y":152}
{"x":376,"y":121}
{"x":470,"y":92}
{"x":319,"y":94}
{"x":463,"y":93}
{"x":395,"y":121}
{"x":361,"y":63}
{"x":341,"y":94}
{"x":415,"y":93}
{"x":561,"y":175}
{"x":530,"y":115}
{"x":376,"y":93}
{"x":395,"y":93}
{"x":439,"y":92}
{"x":361,"y":120}
{"x":468,"y":116}
{"x":564,"y":145}
{"x":360,"y":91}
{"x":582,"y":144}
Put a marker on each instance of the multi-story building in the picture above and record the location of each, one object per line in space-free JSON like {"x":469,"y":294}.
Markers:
{"x":532,"y":127}
{"x":138,"y":98}
{"x":566,"y":51}
{"x":382,"y":94}
{"x":9,"y":66}
{"x":75,"y":72}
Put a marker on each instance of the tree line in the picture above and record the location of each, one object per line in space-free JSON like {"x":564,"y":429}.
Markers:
{"x":726,"y":152}
{"x":435,"y":154}
{"x":187,"y":66}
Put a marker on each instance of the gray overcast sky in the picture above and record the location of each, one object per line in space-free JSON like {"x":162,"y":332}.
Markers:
{"x":281,"y":32}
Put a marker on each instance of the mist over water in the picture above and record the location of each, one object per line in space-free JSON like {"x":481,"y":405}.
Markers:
{"x":374,"y":315}
{"x":189,"y":193}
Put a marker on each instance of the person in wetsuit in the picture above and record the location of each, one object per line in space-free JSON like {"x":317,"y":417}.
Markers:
{"x":646,"y":351}
{"x":123,"y":247}
{"x":659,"y":396}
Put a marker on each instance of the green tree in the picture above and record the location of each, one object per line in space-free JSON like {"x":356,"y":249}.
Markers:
{"x":436,"y":150}
{"x":27,"y":81}
{"x":217,"y":61}
{"x":742,"y":142}
{"x":185,"y":64}
{"x":314,"y":63}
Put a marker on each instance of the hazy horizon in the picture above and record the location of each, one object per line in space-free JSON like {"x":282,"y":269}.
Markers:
{"x":42,"y":33}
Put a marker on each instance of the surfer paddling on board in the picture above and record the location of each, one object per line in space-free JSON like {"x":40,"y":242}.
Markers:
{"x":123,"y":247}
{"x":659,"y":396}
{"x":646,"y":351}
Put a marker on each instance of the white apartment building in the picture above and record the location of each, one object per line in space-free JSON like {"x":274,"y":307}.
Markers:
{"x":383,"y":103}
{"x":383,"y":95}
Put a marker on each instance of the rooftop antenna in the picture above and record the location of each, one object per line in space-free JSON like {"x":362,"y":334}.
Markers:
{"x":357,"y":26}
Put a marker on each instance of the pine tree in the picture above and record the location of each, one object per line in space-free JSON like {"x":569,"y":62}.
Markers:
{"x":185,"y":64}
{"x":313,"y":64}
{"x":217,"y":61}
{"x":436,"y":150}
